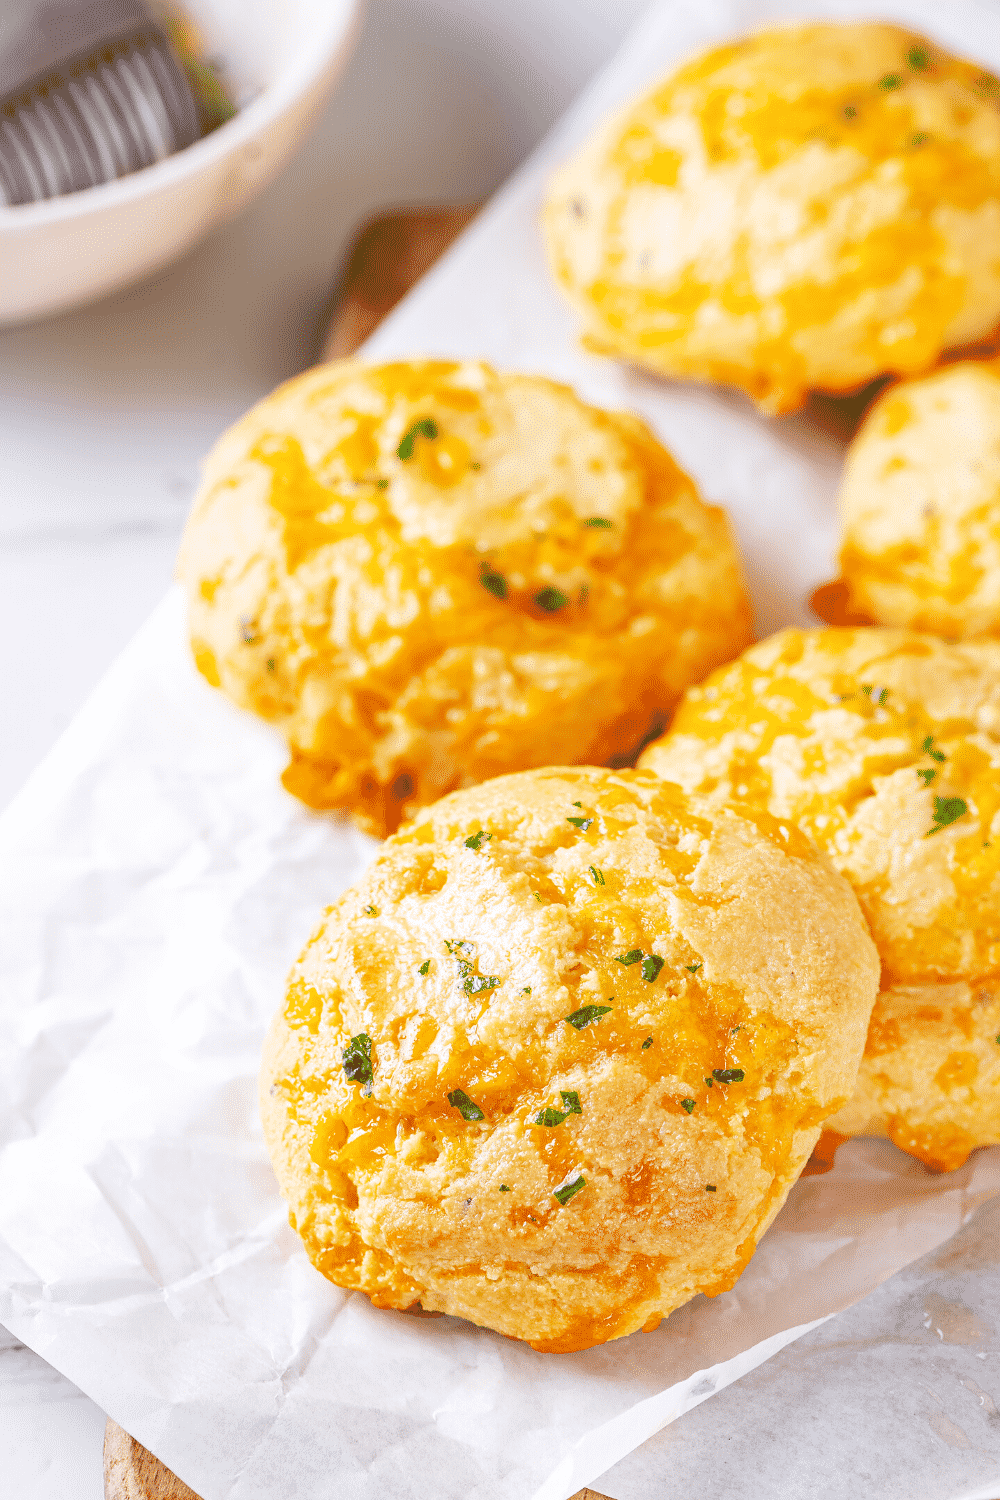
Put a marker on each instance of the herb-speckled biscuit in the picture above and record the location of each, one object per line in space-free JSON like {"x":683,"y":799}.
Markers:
{"x":807,"y":207}
{"x":920,"y":505}
{"x":554,"y":1062}
{"x":429,"y":573}
{"x":883,"y":746}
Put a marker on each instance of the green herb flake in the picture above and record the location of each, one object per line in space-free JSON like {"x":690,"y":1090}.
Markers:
{"x":631,"y":957}
{"x":919,"y":59}
{"x":647,"y":1043}
{"x":475,"y":983}
{"x":577,"y":804}
{"x":382,"y":484}
{"x":733,"y":1030}
{"x":850,"y":112}
{"x":687,"y":1104}
{"x":564,"y":1193}
{"x":358,"y":1059}
{"x":586,"y":1014}
{"x":490,"y":579}
{"x":919,"y":138}
{"x":526,"y":990}
{"x":866,"y":688}
{"x":582,"y":823}
{"x":997,"y":1038}
{"x":597,"y":874}
{"x":928,"y":774}
{"x":709,"y":1187}
{"x":550,"y":1117}
{"x":947,"y":810}
{"x":651,"y":967}
{"x":692,"y":968}
{"x":710,"y":1082}
{"x":270,"y":663}
{"x":459,"y":1099}
{"x":425,"y":967}
{"x":728,"y":1075}
{"x":371,"y":911}
{"x":551,"y":599}
{"x":890,"y":81}
{"x":503,"y":1188}
{"x":424,"y":427}
{"x":928,"y":748}
{"x":882,"y":698}
{"x":537,"y":895}
{"x":601,"y":522}
{"x":477,"y":840}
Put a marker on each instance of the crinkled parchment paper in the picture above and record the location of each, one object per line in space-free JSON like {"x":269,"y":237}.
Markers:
{"x":157,"y":883}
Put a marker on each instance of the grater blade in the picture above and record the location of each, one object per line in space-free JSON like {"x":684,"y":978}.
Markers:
{"x":88,"y":93}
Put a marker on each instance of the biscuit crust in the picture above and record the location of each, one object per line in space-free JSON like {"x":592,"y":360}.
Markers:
{"x":884,"y":747}
{"x":605,"y":1026}
{"x":805,"y":208}
{"x":920,"y":505}
{"x":427,"y":573}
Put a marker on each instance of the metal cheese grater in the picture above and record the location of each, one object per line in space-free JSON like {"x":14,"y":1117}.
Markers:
{"x":89,"y":90}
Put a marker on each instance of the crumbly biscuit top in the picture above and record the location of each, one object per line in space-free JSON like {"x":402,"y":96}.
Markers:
{"x":884,"y":746}
{"x":804,"y":207}
{"x":569,"y":1013}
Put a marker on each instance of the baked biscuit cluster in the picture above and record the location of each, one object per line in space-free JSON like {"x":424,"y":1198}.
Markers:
{"x":544,"y":1068}
{"x":808,"y":207}
{"x":884,"y":747}
{"x":555,"y":1061}
{"x":426,"y":574}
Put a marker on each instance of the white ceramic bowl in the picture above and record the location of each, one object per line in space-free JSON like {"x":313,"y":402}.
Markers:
{"x":282,"y":57}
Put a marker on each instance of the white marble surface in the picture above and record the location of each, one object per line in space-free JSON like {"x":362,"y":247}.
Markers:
{"x":104,"y":415}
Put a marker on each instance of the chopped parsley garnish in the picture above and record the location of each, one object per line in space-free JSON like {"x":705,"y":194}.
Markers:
{"x":577,"y":804}
{"x":947,"y":810}
{"x":997,"y":1038}
{"x":728,"y":1075}
{"x":550,"y":1116}
{"x":382,"y":484}
{"x":710,"y":1083}
{"x":424,"y":427}
{"x":587,"y":1013}
{"x":571,"y":1101}
{"x":248,"y":630}
{"x":709,"y":1187}
{"x":647,"y":1043}
{"x":475,"y":982}
{"x":631,"y":957}
{"x":882,"y":697}
{"x":492,"y":580}
{"x":537,"y":895}
{"x":571,"y":1106}
{"x":919,"y":58}
{"x":651,"y":966}
{"x":478,"y":840}
{"x":425,"y":967}
{"x":270,"y":663}
{"x":600,"y":521}
{"x":551,"y":599}
{"x":919,"y":138}
{"x":564,"y":1193}
{"x":503,"y":1188}
{"x":687,"y":1104}
{"x":460,"y":1100}
{"x":526,"y":990}
{"x":371,"y":911}
{"x":582,"y":823}
{"x":597,"y":874}
{"x":890,"y":81}
{"x":850,"y":113}
{"x":692,"y":968}
{"x":358,"y":1059}
{"x":928,"y":773}
{"x":928,"y":747}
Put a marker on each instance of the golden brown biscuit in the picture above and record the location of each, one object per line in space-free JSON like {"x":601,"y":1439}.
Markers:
{"x":920,"y":505}
{"x":808,"y":207}
{"x":883,"y":746}
{"x":426,"y":574}
{"x":930,"y":1076}
{"x":544,"y":1066}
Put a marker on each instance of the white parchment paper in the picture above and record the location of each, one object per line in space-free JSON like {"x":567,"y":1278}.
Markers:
{"x":157,"y":883}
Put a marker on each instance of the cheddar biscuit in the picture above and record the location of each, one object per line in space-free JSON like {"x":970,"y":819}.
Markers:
{"x":920,"y":505}
{"x":807,"y":207}
{"x":884,"y":747}
{"x":543,"y":1067}
{"x":429,"y":573}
